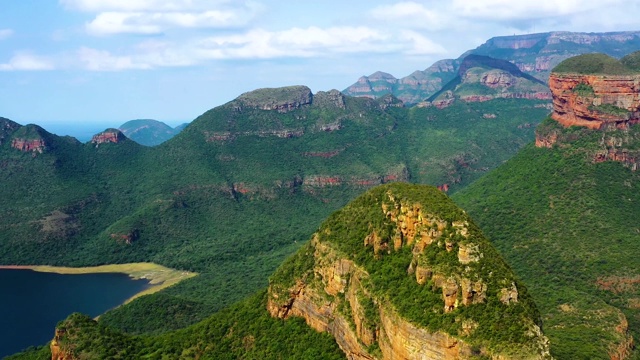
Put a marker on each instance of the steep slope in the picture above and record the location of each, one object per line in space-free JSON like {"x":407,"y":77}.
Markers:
{"x":411,"y":89}
{"x":482,"y":78}
{"x":244,"y":330}
{"x":402,"y":273}
{"x":399,"y":273}
{"x":533,"y":54}
{"x":238,"y":190}
{"x":567,"y":209}
{"x":149,"y":132}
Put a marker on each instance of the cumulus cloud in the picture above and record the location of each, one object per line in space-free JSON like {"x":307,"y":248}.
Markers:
{"x":157,"y":16}
{"x":509,"y":10}
{"x":109,"y":23}
{"x":26,"y":62}
{"x":5,"y":33}
{"x":141,"y":5}
{"x":312,"y":42}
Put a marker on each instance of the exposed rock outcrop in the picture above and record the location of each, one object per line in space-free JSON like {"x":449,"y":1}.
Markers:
{"x":594,"y":101}
{"x":339,"y":294}
{"x":108,"y":136}
{"x":29,"y":145}
{"x":57,"y":351}
{"x":282,"y":99}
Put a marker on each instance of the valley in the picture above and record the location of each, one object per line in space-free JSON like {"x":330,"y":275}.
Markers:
{"x":282,"y":171}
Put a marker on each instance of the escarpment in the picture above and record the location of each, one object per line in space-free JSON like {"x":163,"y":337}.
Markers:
{"x":595,"y":101}
{"x":402,"y":273}
{"x":600,"y":97}
{"x":108,"y":136}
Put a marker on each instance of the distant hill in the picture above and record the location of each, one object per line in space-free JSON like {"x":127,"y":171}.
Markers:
{"x":242,"y":187}
{"x":400,"y":272}
{"x":533,"y":54}
{"x":403,"y":262}
{"x":482,"y":78}
{"x":149,"y":132}
{"x":564,"y":211}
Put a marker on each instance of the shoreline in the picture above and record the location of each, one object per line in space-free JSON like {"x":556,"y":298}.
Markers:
{"x":159,"y":277}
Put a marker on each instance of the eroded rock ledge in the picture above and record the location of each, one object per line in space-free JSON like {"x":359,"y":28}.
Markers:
{"x":595,"y":101}
{"x":338,"y":295}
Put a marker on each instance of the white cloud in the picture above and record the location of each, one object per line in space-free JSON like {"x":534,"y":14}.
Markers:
{"x":141,"y":5}
{"x":5,"y":33}
{"x":509,"y":10}
{"x":26,"y":62}
{"x":100,"y":60}
{"x":157,"y":16}
{"x":109,"y":23}
{"x":261,"y":44}
{"x":295,"y":42}
{"x":420,"y":45}
{"x":412,"y":14}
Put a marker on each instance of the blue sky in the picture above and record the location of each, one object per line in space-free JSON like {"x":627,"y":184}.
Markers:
{"x":85,"y":62}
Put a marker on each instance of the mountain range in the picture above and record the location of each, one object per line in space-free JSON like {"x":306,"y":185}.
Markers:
{"x":533,"y":54}
{"x":248,"y":183}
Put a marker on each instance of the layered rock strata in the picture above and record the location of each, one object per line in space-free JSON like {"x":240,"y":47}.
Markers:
{"x":595,"y":101}
{"x":108,"y":136}
{"x":339,"y":294}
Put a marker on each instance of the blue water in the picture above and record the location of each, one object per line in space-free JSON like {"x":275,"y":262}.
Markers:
{"x":32,"y":303}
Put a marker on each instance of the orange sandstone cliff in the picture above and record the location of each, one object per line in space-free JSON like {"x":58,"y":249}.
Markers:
{"x":581,"y":100}
{"x":348,"y":285}
{"x":606,"y":99}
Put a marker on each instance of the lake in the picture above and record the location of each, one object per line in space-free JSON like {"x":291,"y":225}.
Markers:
{"x":32,"y":303}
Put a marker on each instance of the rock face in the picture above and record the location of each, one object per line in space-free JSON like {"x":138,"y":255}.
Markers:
{"x":607,"y":103}
{"x":57,"y":352}
{"x":533,"y":54}
{"x":108,"y":136}
{"x":32,"y":145}
{"x":335,"y":291}
{"x":282,"y":99}
{"x":595,"y":101}
{"x":483,"y":78}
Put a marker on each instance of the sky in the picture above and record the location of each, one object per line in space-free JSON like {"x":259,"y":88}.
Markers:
{"x":104,"y":62}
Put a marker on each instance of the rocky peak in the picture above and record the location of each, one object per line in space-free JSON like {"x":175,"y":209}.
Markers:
{"x":29,"y":138}
{"x":282,"y":99}
{"x":399,"y":242}
{"x":595,"y":91}
{"x":331,"y":98}
{"x":108,"y":136}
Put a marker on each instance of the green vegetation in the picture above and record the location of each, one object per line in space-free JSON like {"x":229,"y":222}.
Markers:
{"x":594,"y":64}
{"x":232,"y":210}
{"x":610,"y":109}
{"x":632,"y":61}
{"x":566,"y":224}
{"x":500,"y":327}
{"x":583,"y":89}
{"x":244,"y":330}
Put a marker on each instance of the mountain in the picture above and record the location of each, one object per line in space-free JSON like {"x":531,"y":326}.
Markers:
{"x":239,"y":189}
{"x":567,"y":208}
{"x":482,"y":78}
{"x":533,"y":54}
{"x":149,"y":132}
{"x":400,"y":272}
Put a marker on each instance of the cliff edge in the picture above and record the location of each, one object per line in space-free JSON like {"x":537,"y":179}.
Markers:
{"x":596,"y":90}
{"x":402,"y":273}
